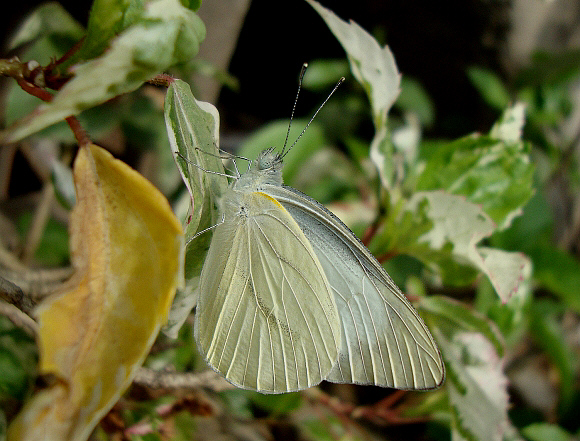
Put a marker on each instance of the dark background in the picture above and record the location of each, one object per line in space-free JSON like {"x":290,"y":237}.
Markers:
{"x":432,"y":42}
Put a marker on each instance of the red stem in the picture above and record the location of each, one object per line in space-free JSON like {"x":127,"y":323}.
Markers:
{"x":74,"y":124}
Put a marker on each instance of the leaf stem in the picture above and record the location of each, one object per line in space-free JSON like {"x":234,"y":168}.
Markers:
{"x":74,"y":124}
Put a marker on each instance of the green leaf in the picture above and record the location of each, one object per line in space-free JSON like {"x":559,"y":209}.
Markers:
{"x":18,"y":359}
{"x":194,"y":5}
{"x":414,"y":98}
{"x":546,"y":431}
{"x":374,"y":68}
{"x":106,"y":20}
{"x":13,"y":380}
{"x":168,"y":34}
{"x":238,"y":402}
{"x":53,"y":249}
{"x":329,"y":176}
{"x":193,"y":131}
{"x":277,"y":404}
{"x":451,"y":316}
{"x":49,"y":20}
{"x":372,"y":65}
{"x":185,"y":426}
{"x":442,"y":230}
{"x":143,"y":123}
{"x":511,"y":317}
{"x":323,"y":74}
{"x":331,"y":428}
{"x":550,"y":68}
{"x":490,"y":87}
{"x":559,"y":272}
{"x":458,"y":225}
{"x":402,"y":232}
{"x":536,"y":221}
{"x":546,"y":327}
{"x":3,"y":425}
{"x":489,"y":172}
{"x":510,"y":273}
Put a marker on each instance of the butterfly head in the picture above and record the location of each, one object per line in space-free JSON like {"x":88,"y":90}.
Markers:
{"x":269,"y":160}
{"x":268,"y":166}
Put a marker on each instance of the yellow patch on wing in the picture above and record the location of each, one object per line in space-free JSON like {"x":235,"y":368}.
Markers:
{"x":270,"y":198}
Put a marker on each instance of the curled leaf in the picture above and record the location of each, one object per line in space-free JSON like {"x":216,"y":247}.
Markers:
{"x":193,"y":131}
{"x":93,"y":335}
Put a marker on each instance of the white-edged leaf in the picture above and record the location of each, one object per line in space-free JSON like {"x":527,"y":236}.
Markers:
{"x":509,"y":127}
{"x":509,"y":272}
{"x":169,"y":33}
{"x":193,"y":131}
{"x":463,"y":224}
{"x":477,"y":387}
{"x":381,"y":153}
{"x":375,"y":69}
{"x":407,"y":137}
{"x":372,"y":65}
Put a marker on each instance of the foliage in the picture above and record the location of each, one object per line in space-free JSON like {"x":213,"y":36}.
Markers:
{"x":466,"y":225}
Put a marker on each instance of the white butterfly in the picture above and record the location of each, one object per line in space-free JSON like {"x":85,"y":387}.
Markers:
{"x":289,"y":297}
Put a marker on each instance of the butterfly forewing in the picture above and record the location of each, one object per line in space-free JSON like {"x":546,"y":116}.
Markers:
{"x":266,"y":318}
{"x":384,"y":341}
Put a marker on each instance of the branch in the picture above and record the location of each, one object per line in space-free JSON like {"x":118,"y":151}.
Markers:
{"x":17,"y":317}
{"x":39,"y":220}
{"x":181,"y":380}
{"x":25,"y":287}
{"x":380,"y":413}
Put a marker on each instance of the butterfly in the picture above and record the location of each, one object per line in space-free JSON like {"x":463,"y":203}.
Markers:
{"x":289,"y":296}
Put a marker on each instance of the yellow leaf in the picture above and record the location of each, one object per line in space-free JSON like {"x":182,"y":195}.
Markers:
{"x":126,"y":247}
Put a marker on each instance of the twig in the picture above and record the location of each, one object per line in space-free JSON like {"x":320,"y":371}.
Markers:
{"x":78,"y":131}
{"x":39,"y":220}
{"x":334,"y":403}
{"x":383,"y":412}
{"x":181,"y":380}
{"x":10,"y":238}
{"x":380,"y":413}
{"x":370,"y":233}
{"x":10,"y":261}
{"x":6,"y":159}
{"x":34,"y":90}
{"x":19,"y":318}
{"x":72,"y":121}
{"x":387,"y":256}
{"x":12,"y":294}
{"x":34,"y":284}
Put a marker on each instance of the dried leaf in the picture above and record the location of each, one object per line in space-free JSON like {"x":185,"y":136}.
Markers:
{"x":126,"y":247}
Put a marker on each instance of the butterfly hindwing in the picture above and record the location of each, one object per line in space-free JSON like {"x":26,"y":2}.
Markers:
{"x":384,"y":341}
{"x":266,"y":318}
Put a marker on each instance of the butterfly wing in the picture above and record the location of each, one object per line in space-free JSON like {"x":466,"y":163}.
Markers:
{"x":384,"y":341}
{"x":266,"y":318}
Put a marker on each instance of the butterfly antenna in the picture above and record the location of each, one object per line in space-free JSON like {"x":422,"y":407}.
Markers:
{"x":340,"y":81}
{"x":302,"y":72}
{"x":181,"y":156}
